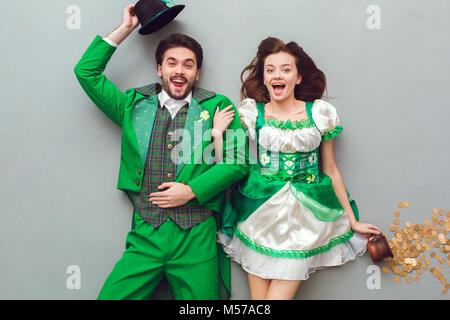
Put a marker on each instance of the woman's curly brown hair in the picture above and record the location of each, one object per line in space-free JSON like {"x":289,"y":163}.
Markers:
{"x":313,"y":80}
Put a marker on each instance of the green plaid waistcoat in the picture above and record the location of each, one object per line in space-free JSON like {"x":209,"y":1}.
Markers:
{"x":160,"y":168}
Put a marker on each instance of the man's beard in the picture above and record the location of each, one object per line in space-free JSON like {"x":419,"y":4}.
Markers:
{"x":176,"y":96}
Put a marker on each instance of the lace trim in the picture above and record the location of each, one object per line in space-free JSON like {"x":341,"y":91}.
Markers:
{"x":288,"y":124}
{"x":296,"y":254}
{"x":332,"y":133}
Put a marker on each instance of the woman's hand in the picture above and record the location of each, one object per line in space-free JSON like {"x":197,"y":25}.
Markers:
{"x":222,"y":120}
{"x":365,"y":228}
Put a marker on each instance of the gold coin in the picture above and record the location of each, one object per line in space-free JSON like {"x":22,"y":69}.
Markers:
{"x":416,"y":278}
{"x":397,"y":279}
{"x":419,"y":271}
{"x":396,"y":221}
{"x":427,"y":261}
{"x":436,"y":244}
{"x":406,"y":204}
{"x":439,"y":269}
{"x":408,"y":279}
{"x":441,"y":212}
{"x":427,"y":222}
{"x":385,"y":270}
{"x":425,"y":267}
{"x":444,"y":291}
{"x":435,"y":210}
{"x":432,"y":254}
{"x":397,"y":213}
{"x":447,"y":286}
{"x":393,"y":228}
{"x":408,"y":224}
{"x":400,"y":204}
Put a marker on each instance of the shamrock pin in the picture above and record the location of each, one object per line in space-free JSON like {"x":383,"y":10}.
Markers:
{"x":204,"y":115}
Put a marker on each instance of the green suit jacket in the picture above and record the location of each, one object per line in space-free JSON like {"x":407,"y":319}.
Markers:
{"x":134,"y":110}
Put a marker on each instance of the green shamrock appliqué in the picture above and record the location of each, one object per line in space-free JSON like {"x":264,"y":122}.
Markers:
{"x":169,"y":3}
{"x":311,"y":177}
{"x":265,"y":159}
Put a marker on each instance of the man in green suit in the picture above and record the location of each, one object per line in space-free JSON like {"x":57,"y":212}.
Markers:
{"x":175,"y":188}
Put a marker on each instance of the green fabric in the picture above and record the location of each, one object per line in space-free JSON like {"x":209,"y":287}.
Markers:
{"x":321,"y":199}
{"x":332,"y":133}
{"x":288,"y":124}
{"x":238,"y":208}
{"x":299,"y":166}
{"x":188,"y":259}
{"x":292,"y":254}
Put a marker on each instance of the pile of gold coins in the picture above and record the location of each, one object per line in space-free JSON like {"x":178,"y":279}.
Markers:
{"x":418,"y":248}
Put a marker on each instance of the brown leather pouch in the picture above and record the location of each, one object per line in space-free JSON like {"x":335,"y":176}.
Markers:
{"x":379,"y":248}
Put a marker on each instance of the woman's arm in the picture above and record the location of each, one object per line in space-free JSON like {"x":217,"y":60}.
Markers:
{"x":329,"y":167}
{"x":221,"y":121}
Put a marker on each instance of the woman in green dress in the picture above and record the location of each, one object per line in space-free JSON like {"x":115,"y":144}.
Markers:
{"x":290,"y":217}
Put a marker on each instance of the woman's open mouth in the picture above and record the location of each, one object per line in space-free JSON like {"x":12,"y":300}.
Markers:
{"x":278,"y":88}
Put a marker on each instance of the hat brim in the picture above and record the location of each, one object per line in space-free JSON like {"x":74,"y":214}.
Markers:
{"x":161,"y":19}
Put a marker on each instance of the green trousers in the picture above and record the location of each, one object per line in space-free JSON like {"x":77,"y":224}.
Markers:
{"x":188,"y":259}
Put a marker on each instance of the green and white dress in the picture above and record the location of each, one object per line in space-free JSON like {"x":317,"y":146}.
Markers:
{"x":285,"y":221}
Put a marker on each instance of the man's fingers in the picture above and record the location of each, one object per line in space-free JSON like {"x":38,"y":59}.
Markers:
{"x":154,"y":196}
{"x":165,"y":185}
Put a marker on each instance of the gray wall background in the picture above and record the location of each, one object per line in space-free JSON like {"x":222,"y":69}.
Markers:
{"x":59,"y":162}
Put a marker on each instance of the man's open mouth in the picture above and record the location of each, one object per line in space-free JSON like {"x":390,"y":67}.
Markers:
{"x":179,"y":82}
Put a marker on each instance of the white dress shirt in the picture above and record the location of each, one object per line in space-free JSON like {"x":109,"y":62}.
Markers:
{"x":110,"y":42}
{"x":172,"y":105}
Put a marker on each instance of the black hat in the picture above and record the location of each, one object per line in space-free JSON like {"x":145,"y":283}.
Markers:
{"x":155,"y":14}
